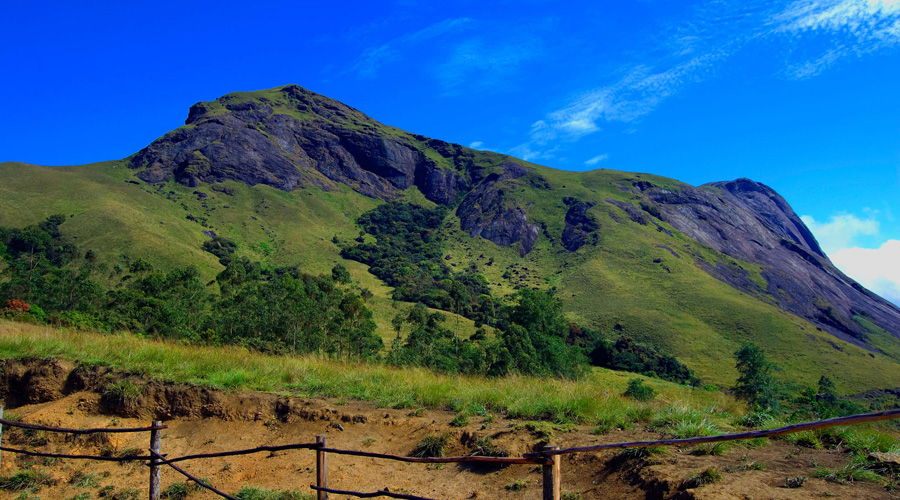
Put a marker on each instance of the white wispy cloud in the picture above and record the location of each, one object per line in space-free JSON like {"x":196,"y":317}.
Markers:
{"x":478,"y":64}
{"x":476,"y":144}
{"x":851,"y":27}
{"x":527,"y":152}
{"x":597,"y":159}
{"x":864,"y":19}
{"x":692,"y":51}
{"x":373,"y":58}
{"x":639,"y":92}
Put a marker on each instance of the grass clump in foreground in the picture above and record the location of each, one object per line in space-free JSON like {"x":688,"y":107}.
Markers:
{"x":431,"y":446}
{"x":28,"y":479}
{"x":698,"y":479}
{"x":254,"y":493}
{"x":597,"y":396}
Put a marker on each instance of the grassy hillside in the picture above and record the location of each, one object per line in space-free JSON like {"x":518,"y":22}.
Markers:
{"x":114,"y":217}
{"x":630,"y":283}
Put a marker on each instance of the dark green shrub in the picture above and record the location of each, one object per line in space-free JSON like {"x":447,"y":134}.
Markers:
{"x":639,"y":391}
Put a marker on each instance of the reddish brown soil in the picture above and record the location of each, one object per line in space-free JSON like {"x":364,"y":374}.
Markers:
{"x":203,"y":421}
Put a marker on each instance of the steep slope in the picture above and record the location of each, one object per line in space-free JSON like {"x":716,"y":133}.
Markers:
{"x":694,"y":271}
{"x":749,"y":221}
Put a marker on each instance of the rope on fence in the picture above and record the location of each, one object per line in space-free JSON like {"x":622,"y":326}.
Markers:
{"x":537,"y":459}
{"x":300,"y":446}
{"x":821,"y":424}
{"x":379,"y":493}
{"x":79,"y":431}
{"x":80,"y":457}
{"x":192,"y":478}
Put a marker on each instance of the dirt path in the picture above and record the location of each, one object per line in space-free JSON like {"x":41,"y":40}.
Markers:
{"x":203,"y":421}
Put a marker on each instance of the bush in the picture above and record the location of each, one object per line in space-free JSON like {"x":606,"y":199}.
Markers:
{"x":639,"y":391}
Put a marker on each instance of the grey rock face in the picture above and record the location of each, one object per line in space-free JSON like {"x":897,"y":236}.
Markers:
{"x":578,"y":225}
{"x":634,"y":213}
{"x":487,"y":212}
{"x":254,"y":143}
{"x":750,"y":221}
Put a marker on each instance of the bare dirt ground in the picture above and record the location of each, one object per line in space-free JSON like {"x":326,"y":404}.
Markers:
{"x":205,"y":421}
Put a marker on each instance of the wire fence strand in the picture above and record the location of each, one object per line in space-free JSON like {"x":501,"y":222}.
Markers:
{"x":376,"y":494}
{"x":75,"y":457}
{"x":79,"y":431}
{"x":541,"y":458}
{"x":538,"y":460}
{"x":248,"y":451}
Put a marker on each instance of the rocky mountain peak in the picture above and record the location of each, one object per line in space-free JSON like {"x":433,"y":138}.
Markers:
{"x":289,"y":137}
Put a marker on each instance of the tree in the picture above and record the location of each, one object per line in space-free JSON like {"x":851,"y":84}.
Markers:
{"x":827,"y":389}
{"x":340,"y":274}
{"x":755,"y":383}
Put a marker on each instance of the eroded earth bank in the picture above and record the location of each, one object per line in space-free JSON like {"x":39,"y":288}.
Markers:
{"x":202,"y":420}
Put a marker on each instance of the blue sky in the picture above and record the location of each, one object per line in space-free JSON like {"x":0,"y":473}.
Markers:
{"x":801,"y":95}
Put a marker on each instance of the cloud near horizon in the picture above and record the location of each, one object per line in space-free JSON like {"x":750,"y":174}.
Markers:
{"x":841,"y":231}
{"x":874,"y":268}
{"x":597,"y":159}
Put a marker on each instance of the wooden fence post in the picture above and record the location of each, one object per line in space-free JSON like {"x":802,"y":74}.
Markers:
{"x":1,"y":435}
{"x":155,"y":446}
{"x":321,"y":469}
{"x":552,"y":485}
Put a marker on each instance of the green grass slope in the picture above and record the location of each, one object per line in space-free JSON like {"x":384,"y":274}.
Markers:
{"x":114,"y":217}
{"x":630,"y":283}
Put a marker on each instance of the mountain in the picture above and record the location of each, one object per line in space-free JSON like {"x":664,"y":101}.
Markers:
{"x":693,"y":271}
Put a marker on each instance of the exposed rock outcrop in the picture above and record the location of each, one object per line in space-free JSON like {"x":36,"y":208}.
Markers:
{"x":751,"y":222}
{"x":579,"y":225}
{"x":302,"y":139}
{"x":488,"y":212}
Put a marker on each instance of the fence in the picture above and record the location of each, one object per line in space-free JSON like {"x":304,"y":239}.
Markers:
{"x":549,"y":458}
